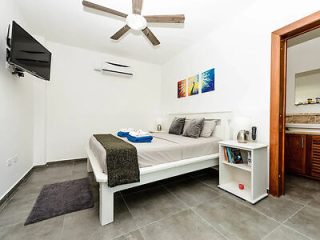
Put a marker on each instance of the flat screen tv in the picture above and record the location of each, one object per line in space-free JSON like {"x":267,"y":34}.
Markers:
{"x":27,"y":54}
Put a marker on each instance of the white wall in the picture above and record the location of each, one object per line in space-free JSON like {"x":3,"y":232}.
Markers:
{"x":39,"y":122}
{"x":241,"y":52}
{"x":16,"y":106}
{"x":81,"y":102}
{"x":39,"y":116}
{"x":301,"y":58}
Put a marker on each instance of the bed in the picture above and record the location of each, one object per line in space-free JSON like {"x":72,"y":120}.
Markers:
{"x":167,"y":156}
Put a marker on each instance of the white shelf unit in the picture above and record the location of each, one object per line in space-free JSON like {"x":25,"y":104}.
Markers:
{"x":254,"y":177}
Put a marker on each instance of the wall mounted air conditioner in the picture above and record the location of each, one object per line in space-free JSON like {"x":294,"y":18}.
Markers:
{"x":115,"y":68}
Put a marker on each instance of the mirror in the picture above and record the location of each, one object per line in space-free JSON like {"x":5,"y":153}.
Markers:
{"x":307,"y":89}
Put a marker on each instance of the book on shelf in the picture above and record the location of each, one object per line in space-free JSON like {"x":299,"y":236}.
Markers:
{"x":230,"y":160}
{"x":237,"y":155}
{"x":225,"y":154}
{"x":233,"y":155}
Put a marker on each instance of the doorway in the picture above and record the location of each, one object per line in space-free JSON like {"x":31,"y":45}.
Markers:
{"x":278,"y":97}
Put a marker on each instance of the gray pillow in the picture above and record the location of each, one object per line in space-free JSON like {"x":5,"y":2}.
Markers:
{"x":186,"y":125}
{"x":208,"y":128}
{"x":177,"y":126}
{"x":194,"y":128}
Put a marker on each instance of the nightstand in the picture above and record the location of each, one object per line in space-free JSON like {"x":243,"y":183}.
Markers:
{"x":253,"y":178}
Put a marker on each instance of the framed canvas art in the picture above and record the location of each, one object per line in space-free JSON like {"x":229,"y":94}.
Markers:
{"x":208,"y":81}
{"x":182,"y":88}
{"x":193,"y":85}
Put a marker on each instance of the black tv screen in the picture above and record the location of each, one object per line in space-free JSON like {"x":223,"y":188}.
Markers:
{"x":28,"y":54}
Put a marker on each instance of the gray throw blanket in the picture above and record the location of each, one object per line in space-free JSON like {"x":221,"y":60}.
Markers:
{"x":122,"y":160}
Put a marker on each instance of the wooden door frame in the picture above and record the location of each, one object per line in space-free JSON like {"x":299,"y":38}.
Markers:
{"x":278,"y":96}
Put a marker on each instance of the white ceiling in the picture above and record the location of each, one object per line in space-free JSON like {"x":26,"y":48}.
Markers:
{"x":66,"y":21}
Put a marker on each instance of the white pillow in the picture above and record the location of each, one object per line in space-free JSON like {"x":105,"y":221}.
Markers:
{"x":208,"y":128}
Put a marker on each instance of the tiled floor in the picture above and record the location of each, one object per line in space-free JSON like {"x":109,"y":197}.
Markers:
{"x":187,"y":207}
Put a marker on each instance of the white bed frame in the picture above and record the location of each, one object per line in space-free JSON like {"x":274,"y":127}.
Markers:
{"x":158,"y":172}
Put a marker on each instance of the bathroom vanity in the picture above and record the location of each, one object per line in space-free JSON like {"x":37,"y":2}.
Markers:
{"x":303,"y":150}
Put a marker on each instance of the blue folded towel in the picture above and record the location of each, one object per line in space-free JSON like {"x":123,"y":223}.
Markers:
{"x":123,"y":134}
{"x":144,"y":139}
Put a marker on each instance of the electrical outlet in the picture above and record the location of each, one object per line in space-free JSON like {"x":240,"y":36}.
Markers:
{"x":12,"y":161}
{"x":9,"y":163}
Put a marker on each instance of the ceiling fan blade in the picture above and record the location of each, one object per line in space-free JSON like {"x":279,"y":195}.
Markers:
{"x":151,"y":36}
{"x":120,"y":33}
{"x":137,"y":6}
{"x":179,"y":18}
{"x":103,"y":9}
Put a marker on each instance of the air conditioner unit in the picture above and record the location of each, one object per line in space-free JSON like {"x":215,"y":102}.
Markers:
{"x":115,"y":68}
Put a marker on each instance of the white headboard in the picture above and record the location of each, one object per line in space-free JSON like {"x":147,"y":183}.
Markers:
{"x":222,"y":130}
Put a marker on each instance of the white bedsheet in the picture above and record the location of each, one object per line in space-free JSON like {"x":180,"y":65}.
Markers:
{"x":163,"y":149}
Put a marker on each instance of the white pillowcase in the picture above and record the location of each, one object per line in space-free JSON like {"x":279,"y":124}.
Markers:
{"x":208,"y":128}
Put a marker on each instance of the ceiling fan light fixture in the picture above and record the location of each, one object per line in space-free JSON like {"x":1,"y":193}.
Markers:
{"x":136,"y":22}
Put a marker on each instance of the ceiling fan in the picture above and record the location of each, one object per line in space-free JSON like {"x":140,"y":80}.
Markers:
{"x":136,"y":21}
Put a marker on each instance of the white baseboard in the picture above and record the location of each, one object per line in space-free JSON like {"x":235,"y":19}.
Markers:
{"x":15,"y":184}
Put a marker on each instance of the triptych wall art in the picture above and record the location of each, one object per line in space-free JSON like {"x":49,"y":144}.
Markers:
{"x":191,"y":86}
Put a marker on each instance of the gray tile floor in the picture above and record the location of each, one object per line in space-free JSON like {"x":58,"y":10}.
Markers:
{"x":186,"y":207}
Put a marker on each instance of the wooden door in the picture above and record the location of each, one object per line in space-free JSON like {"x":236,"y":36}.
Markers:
{"x":277,"y":115}
{"x":277,"y":109}
{"x":296,"y":153}
{"x":315,"y":157}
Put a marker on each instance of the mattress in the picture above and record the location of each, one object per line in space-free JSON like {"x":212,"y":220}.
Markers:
{"x":163,"y":149}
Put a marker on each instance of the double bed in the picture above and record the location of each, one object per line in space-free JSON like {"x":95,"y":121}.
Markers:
{"x":167,"y":156}
{"x":165,"y":148}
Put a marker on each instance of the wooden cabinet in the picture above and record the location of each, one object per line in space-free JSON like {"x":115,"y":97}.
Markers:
{"x":302,"y":155}
{"x":296,"y":153}
{"x":315,"y":157}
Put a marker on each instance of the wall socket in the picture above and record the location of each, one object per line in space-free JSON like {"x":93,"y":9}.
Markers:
{"x":12,"y":161}
{"x":9,"y":163}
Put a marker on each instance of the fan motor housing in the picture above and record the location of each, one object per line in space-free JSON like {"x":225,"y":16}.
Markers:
{"x":136,"y":22}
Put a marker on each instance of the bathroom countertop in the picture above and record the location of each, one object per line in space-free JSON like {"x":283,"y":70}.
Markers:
{"x":303,"y":126}
{"x":303,"y":132}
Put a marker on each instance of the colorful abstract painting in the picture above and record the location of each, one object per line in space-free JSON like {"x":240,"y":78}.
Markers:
{"x":193,"y":85}
{"x":208,"y":81}
{"x":182,"y":88}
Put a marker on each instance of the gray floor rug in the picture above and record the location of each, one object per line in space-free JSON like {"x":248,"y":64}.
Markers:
{"x":61,"y":198}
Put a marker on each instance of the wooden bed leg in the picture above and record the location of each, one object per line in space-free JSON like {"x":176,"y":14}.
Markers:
{"x":89,"y":168}
{"x":106,"y":204}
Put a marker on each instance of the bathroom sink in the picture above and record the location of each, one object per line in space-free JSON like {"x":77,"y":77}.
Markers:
{"x":302,"y":128}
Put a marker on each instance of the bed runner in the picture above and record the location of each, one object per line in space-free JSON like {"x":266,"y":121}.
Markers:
{"x":122,"y":160}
